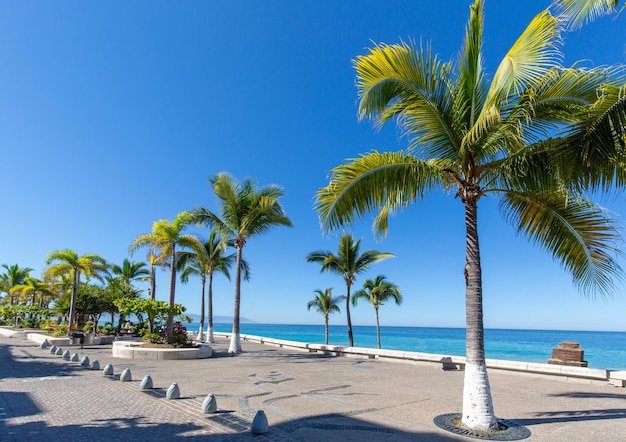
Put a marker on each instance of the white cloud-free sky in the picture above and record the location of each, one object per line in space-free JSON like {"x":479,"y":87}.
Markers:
{"x":114,"y":114}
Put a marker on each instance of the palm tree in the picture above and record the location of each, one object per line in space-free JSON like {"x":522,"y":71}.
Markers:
{"x":479,"y":137}
{"x":33,"y":287}
{"x":13,"y":276}
{"x":347,"y":263}
{"x":325,"y":303}
{"x":212,"y":259}
{"x":131,"y":271}
{"x":166,"y":236}
{"x":245,"y":211}
{"x":67,"y":262}
{"x":377,"y":292}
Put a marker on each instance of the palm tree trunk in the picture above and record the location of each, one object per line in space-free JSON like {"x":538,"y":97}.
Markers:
{"x":152,"y":282}
{"x":235,"y":341}
{"x":478,"y":411}
{"x":350,"y":338}
{"x":170,"y":318}
{"x":70,"y":320}
{"x":377,"y":327}
{"x":210,"y":337}
{"x":201,"y":332}
{"x":326,"y":329}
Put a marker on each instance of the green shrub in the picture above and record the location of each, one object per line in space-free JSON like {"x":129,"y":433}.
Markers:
{"x":155,"y":338}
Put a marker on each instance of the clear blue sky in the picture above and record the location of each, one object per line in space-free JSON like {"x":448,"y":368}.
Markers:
{"x":114,"y":114}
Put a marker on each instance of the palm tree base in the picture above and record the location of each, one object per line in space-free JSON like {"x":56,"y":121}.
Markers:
{"x":235,"y":344}
{"x":210,"y":339}
{"x":506,"y":429}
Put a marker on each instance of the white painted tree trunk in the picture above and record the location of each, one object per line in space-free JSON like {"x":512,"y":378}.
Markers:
{"x":235,"y":344}
{"x":210,"y":338}
{"x":200,"y":336}
{"x":477,"y":404}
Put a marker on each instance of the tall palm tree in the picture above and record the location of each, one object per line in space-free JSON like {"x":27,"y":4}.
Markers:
{"x":245,"y":211}
{"x":212,"y":259}
{"x":166,"y":236}
{"x":13,"y":276}
{"x":326,"y":304}
{"x":524,"y":137}
{"x":377,"y":292}
{"x":347,"y":263}
{"x":68,"y":262}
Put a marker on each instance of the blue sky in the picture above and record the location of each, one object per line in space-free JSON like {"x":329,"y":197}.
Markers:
{"x":114,"y":114}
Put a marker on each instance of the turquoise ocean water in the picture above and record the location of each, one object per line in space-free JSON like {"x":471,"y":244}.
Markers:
{"x":605,"y":350}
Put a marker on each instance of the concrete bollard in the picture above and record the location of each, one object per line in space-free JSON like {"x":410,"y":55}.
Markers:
{"x":59,"y":351}
{"x":85,"y":361}
{"x":66,"y":355}
{"x":146,"y":383}
{"x":44,"y":344}
{"x":259,"y":423}
{"x":53,"y":349}
{"x":95,"y":365}
{"x":74,"y":357}
{"x":108,"y":370}
{"x":126,"y":375}
{"x":173,"y":392}
{"x":209,"y":405}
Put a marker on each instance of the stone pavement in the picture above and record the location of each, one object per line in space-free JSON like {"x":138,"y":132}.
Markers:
{"x":307,"y":397}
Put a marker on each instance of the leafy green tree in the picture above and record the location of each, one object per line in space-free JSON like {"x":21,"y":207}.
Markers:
{"x":534,"y":136}
{"x":326,"y":304}
{"x":245,"y":212}
{"x":165,"y":237}
{"x":157,"y":311}
{"x":68,"y":262}
{"x":131,"y":271}
{"x":347,"y":263}
{"x":376,"y":292}
{"x":212,"y":259}
{"x":13,"y":276}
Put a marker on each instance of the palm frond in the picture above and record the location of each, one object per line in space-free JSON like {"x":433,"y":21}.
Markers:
{"x":578,"y":234}
{"x":576,"y":13}
{"x":388,"y":181}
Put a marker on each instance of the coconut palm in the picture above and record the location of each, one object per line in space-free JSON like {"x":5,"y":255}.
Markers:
{"x":477,"y":137}
{"x":326,"y":304}
{"x":212,"y":259}
{"x":347,"y":263}
{"x":377,"y":292}
{"x":68,"y":262}
{"x":165,"y":237}
{"x":245,"y":212}
{"x":13,"y":276}
{"x":131,"y":271}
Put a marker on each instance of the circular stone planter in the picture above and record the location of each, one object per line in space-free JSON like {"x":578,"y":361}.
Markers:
{"x":135,"y":350}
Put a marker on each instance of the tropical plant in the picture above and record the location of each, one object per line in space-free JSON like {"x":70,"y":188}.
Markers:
{"x":166,"y":236}
{"x":376,"y":292}
{"x":326,"y":304}
{"x":347,"y":263}
{"x":32,"y":287}
{"x":131,"y":271}
{"x":212,"y":259}
{"x":13,"y":276}
{"x":157,"y":311}
{"x":527,"y":136}
{"x":245,"y":212}
{"x":68,"y":262}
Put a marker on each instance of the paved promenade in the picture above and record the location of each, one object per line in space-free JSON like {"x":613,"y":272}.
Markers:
{"x":306,"y":397}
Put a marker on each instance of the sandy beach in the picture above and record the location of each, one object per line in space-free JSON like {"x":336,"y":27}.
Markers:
{"x":306,"y":397}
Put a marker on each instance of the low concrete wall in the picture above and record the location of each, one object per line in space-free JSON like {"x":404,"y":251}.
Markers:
{"x":133,"y":350}
{"x":446,"y":361}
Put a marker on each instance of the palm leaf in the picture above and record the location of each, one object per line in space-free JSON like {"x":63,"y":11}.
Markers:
{"x":376,"y":181}
{"x":577,"y":233}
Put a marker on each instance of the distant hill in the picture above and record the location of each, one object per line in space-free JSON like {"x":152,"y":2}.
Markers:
{"x":219,"y":319}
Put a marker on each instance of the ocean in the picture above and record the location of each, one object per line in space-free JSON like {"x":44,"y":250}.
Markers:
{"x":604,"y":350}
